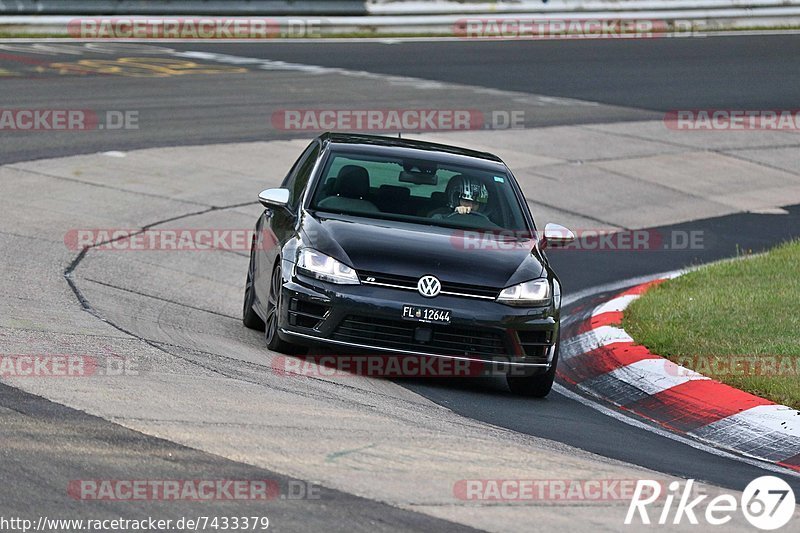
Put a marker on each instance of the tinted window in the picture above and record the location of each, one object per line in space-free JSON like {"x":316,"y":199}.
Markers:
{"x":297,"y":178}
{"x":425,"y":192}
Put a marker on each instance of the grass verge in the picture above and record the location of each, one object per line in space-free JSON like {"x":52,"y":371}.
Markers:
{"x":736,"y":321}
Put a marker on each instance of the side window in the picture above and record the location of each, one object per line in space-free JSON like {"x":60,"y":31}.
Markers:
{"x":289,"y":179}
{"x":297,"y":178}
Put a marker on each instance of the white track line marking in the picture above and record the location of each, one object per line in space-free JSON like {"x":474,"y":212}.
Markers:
{"x":775,"y":417}
{"x":595,"y":338}
{"x":615,"y":305}
{"x":652,"y":376}
{"x":404,"y":81}
{"x":757,"y":430}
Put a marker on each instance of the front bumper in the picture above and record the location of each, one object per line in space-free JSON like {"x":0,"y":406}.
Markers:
{"x":368,"y":318}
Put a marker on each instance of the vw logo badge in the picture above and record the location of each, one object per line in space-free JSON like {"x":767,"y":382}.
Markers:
{"x":429,"y":286}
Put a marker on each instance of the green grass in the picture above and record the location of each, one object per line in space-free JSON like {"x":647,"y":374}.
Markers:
{"x":707,"y":319}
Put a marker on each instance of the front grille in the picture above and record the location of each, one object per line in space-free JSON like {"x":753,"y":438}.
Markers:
{"x":399,"y":335}
{"x":410,"y":283}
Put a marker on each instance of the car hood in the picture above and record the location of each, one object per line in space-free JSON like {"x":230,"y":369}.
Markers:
{"x":403,"y":249}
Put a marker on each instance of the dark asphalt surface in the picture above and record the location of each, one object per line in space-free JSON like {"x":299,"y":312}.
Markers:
{"x":750,"y":72}
{"x":649,"y":75}
{"x":632,"y":79}
{"x":562,"y":419}
{"x":46,"y":446}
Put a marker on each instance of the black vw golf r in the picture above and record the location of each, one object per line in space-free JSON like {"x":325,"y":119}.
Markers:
{"x":406,"y":247}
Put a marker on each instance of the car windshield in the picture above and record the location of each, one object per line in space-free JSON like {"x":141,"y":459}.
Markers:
{"x":418,"y":191}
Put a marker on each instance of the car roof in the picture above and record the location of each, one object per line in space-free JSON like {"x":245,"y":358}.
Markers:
{"x":372,"y":143}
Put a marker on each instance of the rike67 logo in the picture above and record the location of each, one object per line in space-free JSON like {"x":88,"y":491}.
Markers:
{"x":767,"y":503}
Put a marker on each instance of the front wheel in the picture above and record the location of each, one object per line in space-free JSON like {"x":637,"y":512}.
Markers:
{"x":537,"y":386}
{"x":274,"y":342}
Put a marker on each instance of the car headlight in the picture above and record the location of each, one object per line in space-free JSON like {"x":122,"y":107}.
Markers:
{"x":318,"y":265}
{"x":531,"y":293}
{"x":557,"y":294}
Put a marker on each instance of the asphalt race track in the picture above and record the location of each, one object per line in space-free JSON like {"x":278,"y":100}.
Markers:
{"x":632,"y":79}
{"x":204,"y":144}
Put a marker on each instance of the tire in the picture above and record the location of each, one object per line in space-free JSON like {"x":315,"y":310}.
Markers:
{"x":249,"y":316}
{"x":274,"y":342}
{"x":537,"y":386}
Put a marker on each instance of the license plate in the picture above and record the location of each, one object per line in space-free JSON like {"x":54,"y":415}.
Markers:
{"x":429,"y":315}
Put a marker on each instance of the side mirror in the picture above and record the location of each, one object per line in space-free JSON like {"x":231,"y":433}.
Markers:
{"x":556,"y":235}
{"x":272,"y":198}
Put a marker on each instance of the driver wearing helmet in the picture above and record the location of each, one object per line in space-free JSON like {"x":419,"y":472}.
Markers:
{"x":470,"y":196}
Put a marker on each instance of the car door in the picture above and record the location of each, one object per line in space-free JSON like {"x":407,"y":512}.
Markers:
{"x":279,"y":225}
